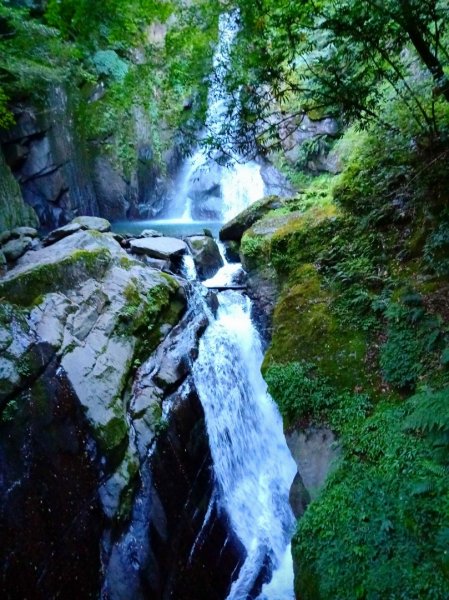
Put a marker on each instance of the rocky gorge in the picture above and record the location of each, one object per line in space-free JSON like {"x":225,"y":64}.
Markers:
{"x":102,"y":424}
{"x":97,"y":404}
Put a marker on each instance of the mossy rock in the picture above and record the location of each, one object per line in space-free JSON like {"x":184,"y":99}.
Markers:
{"x":303,"y":237}
{"x":234,"y":229}
{"x":13,"y":210}
{"x":305,"y":329}
{"x":25,"y":287}
{"x":255,"y":249}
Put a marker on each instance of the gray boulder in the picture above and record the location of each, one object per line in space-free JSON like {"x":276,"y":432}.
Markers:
{"x":150,"y":233}
{"x":165,"y":248}
{"x":62,"y":232}
{"x":24,"y":231}
{"x":206,"y":255}
{"x":95,"y":223}
{"x":16,"y":248}
{"x":59,"y":267}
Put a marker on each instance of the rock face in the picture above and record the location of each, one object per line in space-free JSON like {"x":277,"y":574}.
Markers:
{"x":234,"y":229}
{"x":315,"y":451}
{"x":63,"y":171}
{"x":106,"y":480}
{"x":13,"y":210}
{"x":206,"y":255}
{"x":47,"y":157}
{"x":298,"y":130}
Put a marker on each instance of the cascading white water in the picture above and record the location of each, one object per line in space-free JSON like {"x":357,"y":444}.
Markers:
{"x":253,"y":466}
{"x":240,"y":183}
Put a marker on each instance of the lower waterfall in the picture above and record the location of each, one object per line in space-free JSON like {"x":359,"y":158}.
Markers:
{"x":252,"y":464}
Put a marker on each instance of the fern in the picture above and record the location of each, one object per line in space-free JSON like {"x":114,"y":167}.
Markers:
{"x":431,"y":414}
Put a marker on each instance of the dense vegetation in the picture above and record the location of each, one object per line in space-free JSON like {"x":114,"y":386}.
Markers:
{"x":113,"y":58}
{"x":361,"y":330}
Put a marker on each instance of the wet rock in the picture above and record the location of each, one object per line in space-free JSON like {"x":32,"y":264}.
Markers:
{"x":299,"y":497}
{"x":163,"y":372}
{"x":156,"y":263}
{"x":206,"y":255}
{"x":62,"y":232}
{"x":113,"y":490}
{"x":315,"y":451}
{"x":23,"y":357}
{"x":16,"y":248}
{"x":179,"y":543}
{"x":95,"y":223}
{"x":165,"y":248}
{"x":5,"y":236}
{"x":232,"y":251}
{"x":50,"y":519}
{"x":234,"y":229}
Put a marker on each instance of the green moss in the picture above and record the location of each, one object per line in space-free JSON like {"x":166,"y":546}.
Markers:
{"x":305,"y":329}
{"x":24,"y":288}
{"x":301,"y":240}
{"x":111,"y":435}
{"x":255,"y":250}
{"x":144,"y":314}
{"x":9,"y":412}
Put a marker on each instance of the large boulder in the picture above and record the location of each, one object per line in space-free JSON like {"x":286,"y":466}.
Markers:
{"x":59,"y":267}
{"x":206,"y":255}
{"x":165,"y":248}
{"x":16,"y":248}
{"x":62,"y":232}
{"x":234,"y":229}
{"x":94,"y":223}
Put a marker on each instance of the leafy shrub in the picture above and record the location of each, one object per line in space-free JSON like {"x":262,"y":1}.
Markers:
{"x":109,"y":64}
{"x":413,"y":339}
{"x":430,"y":415}
{"x":298,"y":392}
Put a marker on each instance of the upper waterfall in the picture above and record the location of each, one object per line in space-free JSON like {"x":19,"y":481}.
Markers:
{"x":205,"y":190}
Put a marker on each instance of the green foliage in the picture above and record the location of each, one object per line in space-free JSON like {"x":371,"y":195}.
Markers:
{"x":350,"y":59}
{"x":299,"y":392}
{"x":32,"y":56}
{"x":436,"y":249}
{"x":413,"y":342}
{"x":430,"y":416}
{"x":108,"y":63}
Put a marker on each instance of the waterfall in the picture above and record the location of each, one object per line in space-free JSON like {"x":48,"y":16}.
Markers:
{"x":252,"y":464}
{"x":205,"y":190}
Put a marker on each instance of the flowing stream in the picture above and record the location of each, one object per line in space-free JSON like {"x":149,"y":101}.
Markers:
{"x":252,"y":464}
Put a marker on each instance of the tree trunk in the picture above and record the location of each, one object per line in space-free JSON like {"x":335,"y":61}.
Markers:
{"x":423,"y":48}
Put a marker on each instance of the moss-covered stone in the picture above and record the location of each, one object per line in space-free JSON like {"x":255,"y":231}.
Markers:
{"x":26,"y":286}
{"x":13,"y":210}
{"x":301,"y":238}
{"x":235,"y":229}
{"x":305,"y":329}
